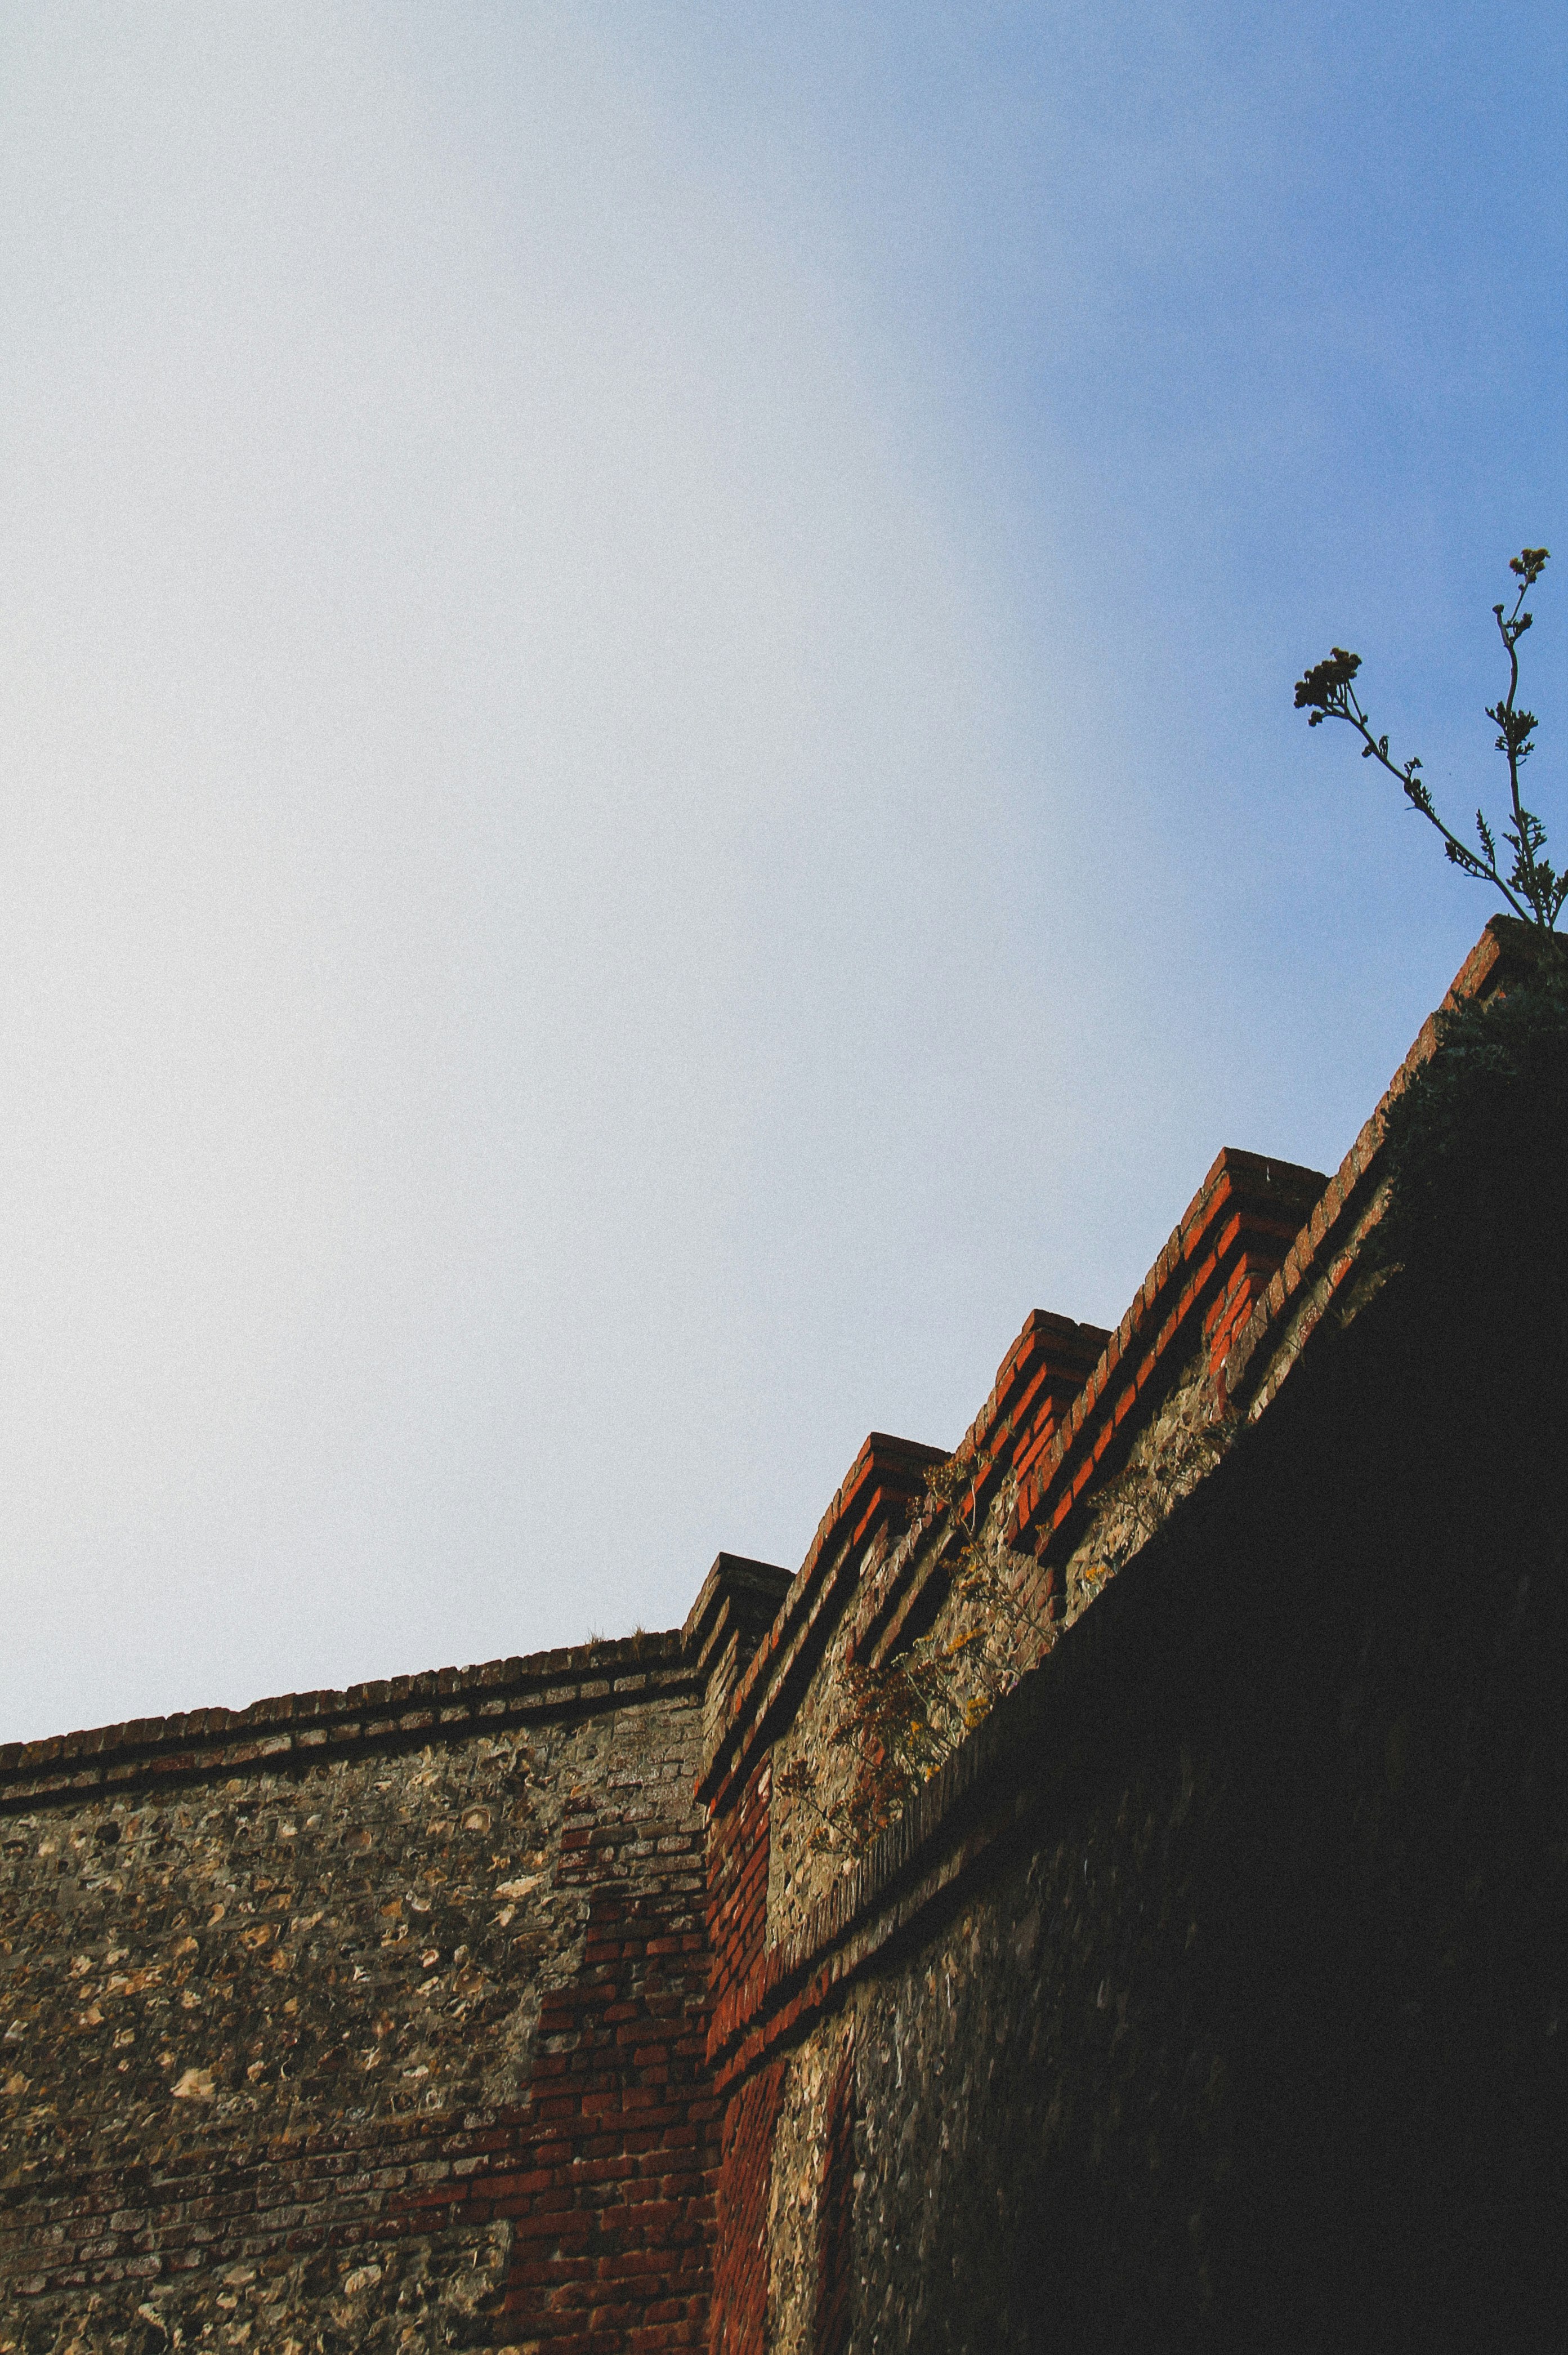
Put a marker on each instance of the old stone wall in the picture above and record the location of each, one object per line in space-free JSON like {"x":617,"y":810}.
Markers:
{"x":1249,"y":2029}
{"x":1210,"y":1994}
{"x":1200,"y":1984}
{"x":366,"y":2019}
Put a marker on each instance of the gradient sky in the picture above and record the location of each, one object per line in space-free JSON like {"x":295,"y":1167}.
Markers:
{"x":647,"y":778}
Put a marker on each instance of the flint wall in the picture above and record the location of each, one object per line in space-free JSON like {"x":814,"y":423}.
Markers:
{"x":362,"y":2019}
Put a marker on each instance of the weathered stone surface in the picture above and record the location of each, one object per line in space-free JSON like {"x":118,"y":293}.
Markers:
{"x":802,"y":2189}
{"x":257,"y":2032}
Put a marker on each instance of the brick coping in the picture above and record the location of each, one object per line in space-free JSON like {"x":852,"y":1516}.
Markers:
{"x":879,"y":1488}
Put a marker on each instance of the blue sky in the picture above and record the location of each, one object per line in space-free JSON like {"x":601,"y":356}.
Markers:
{"x":648,"y":777}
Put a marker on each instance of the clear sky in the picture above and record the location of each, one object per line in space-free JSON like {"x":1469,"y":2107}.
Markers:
{"x":647,"y":778}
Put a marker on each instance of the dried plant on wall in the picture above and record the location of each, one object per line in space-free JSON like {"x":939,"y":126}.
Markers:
{"x":1533,"y":891}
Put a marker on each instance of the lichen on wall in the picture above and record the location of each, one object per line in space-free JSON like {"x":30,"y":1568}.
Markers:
{"x":804,"y":1851}
{"x":878,"y":1718}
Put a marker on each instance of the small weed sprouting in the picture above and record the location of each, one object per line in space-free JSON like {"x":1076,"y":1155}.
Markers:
{"x":1532,"y":890}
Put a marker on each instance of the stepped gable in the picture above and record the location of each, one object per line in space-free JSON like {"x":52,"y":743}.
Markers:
{"x":738,"y":1602}
{"x":1261,"y":1247}
{"x":872,"y":1500}
{"x":1235,"y":1232}
{"x":1066,"y":1403}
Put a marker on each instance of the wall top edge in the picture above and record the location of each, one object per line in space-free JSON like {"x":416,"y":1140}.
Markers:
{"x":1283,"y":1195}
{"x":622,"y":1665}
{"x":887,"y":1471}
{"x":628,"y":1669}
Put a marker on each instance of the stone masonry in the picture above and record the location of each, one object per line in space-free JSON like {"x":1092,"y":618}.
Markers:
{"x":1204,"y":1987}
{"x":372,"y":2019}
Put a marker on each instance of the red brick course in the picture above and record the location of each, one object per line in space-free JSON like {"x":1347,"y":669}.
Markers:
{"x":740,"y":2308}
{"x":1235,"y":1232}
{"x":610,"y":2191}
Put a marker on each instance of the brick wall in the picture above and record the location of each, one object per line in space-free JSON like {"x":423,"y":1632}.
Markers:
{"x":740,"y":2267}
{"x":610,"y":2189}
